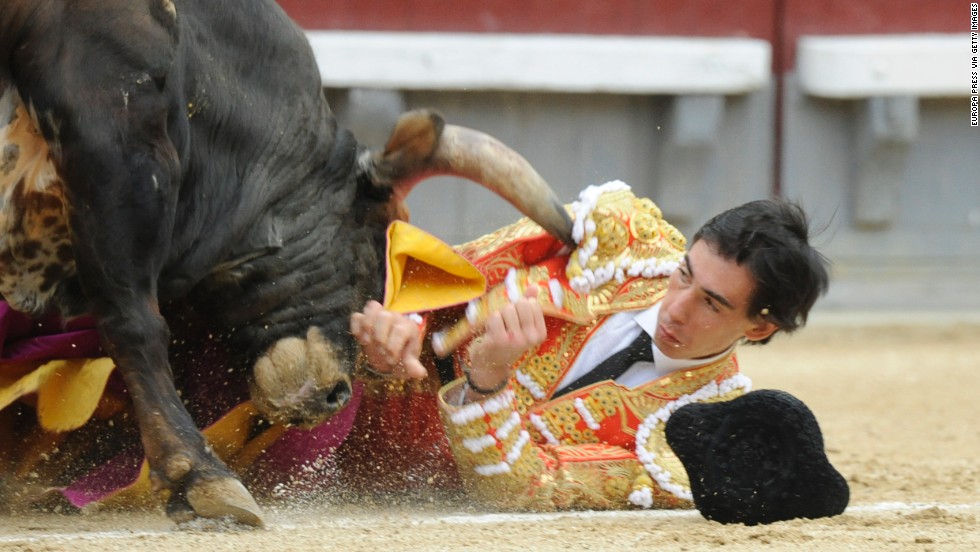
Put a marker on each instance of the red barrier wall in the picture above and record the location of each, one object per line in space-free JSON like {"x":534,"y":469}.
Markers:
{"x":753,"y":18}
{"x":781,"y":22}
{"x":832,"y":17}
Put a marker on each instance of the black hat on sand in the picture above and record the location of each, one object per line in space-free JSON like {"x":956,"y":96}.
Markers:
{"x":756,"y":459}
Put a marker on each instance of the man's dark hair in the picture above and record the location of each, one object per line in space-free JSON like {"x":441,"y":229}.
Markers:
{"x":771,"y":239}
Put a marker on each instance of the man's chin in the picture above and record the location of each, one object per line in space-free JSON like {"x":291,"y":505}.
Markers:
{"x":670,"y":347}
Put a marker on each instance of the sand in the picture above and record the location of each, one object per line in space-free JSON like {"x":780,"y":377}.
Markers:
{"x":897,"y":405}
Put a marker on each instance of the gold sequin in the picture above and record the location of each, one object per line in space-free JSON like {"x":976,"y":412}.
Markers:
{"x":614,"y":237}
{"x":645,"y":227}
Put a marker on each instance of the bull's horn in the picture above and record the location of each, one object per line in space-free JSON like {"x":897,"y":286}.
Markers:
{"x":422,"y":146}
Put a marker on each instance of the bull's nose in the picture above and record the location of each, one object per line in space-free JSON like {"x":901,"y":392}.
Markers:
{"x":320,"y":405}
{"x":334,"y":398}
{"x":301,"y":381}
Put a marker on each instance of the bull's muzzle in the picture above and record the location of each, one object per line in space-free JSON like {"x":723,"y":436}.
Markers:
{"x":300,"y":381}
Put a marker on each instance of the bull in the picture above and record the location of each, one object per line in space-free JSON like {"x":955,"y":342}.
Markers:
{"x":160,"y":149}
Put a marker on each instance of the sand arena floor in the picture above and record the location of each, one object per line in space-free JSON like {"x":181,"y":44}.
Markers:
{"x":898,"y":406}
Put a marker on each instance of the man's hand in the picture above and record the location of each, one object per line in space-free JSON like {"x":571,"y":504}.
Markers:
{"x":390,"y":341}
{"x":510,"y":332}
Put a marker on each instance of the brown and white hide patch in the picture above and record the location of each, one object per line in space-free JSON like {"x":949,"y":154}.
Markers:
{"x":35,"y":243}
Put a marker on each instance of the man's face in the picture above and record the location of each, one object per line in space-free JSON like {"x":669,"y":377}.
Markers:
{"x":705,"y":309}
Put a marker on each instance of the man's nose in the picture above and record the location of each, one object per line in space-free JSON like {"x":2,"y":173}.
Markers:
{"x":680,"y":307}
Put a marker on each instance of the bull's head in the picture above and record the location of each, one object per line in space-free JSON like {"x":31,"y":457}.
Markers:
{"x":305,"y":380}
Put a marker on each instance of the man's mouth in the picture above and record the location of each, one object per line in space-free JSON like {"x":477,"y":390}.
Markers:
{"x":666,"y":337}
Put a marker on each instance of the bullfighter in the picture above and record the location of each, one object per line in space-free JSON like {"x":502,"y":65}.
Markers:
{"x":574,"y":361}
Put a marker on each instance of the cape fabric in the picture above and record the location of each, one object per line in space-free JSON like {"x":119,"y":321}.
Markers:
{"x":424,"y":273}
{"x":55,"y":380}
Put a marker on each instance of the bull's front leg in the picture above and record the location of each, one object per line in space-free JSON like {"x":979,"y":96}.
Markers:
{"x":180,"y":459}
{"x":119,"y":246}
{"x":112,"y":135}
{"x":121,"y":228}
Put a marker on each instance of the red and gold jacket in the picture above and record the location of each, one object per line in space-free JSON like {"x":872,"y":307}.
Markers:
{"x":601,"y":446}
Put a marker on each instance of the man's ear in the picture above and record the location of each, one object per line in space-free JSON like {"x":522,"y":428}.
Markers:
{"x":761,"y":330}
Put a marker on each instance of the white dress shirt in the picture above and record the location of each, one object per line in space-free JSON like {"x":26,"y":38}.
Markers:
{"x":615,"y":334}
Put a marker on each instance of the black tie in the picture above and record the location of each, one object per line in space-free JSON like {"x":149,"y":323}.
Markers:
{"x":619,"y":362}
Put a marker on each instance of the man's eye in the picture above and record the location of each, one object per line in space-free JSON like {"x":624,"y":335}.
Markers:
{"x":711,"y":304}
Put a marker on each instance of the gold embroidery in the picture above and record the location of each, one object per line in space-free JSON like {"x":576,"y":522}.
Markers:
{"x":581,"y":435}
{"x":607,"y":400}
{"x":619,"y":480}
{"x":472,"y":430}
{"x":615,"y":235}
{"x":524,"y":398}
{"x":592,"y":407}
{"x":622,"y":232}
{"x":587,"y":469}
{"x":665,"y":457}
{"x":510,"y":236}
{"x":630,"y":405}
{"x":636,"y":293}
{"x":548,"y":364}
{"x":597,"y":482}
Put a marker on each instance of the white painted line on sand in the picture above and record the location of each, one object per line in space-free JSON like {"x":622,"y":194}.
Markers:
{"x":457,"y":519}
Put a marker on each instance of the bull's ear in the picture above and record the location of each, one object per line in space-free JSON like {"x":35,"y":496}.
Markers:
{"x":413,"y":140}
{"x":408,"y":156}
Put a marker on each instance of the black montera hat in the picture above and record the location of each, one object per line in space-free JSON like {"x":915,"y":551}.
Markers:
{"x":756,"y":459}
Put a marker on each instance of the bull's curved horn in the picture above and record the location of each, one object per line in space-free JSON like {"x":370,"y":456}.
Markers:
{"x":422,"y":146}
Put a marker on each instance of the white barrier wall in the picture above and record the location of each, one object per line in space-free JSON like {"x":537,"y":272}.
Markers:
{"x":877,"y":141}
{"x":686,"y":121}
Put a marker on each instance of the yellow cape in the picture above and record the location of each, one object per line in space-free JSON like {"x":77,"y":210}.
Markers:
{"x":424,"y":273}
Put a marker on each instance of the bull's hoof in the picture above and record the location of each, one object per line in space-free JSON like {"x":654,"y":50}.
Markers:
{"x":223,"y":497}
{"x":179,"y":511}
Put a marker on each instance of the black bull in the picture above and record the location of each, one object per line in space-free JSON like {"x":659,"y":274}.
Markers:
{"x":188,"y":152}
